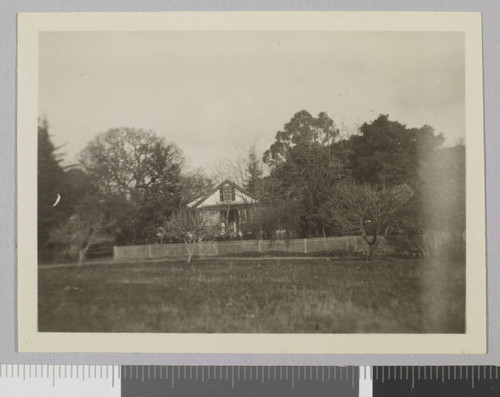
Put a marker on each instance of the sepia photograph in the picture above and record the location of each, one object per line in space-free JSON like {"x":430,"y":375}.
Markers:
{"x":267,"y":181}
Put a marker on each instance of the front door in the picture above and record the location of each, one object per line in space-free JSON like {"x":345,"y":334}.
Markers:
{"x":233,"y":221}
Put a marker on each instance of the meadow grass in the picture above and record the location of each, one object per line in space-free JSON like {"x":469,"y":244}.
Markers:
{"x":260,"y":295}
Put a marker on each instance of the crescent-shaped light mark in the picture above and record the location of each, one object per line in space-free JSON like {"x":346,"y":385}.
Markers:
{"x":58,"y":198}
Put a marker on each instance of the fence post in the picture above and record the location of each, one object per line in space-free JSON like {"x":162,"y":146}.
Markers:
{"x":305,"y":246}
{"x":260,"y":245}
{"x":150,"y":251}
{"x":115,"y":252}
{"x":216,"y":248}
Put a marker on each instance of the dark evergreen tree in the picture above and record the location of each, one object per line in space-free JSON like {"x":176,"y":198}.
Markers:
{"x":51,"y":187}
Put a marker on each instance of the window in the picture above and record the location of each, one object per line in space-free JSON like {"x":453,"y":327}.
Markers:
{"x":227,"y":193}
{"x":243,"y":216}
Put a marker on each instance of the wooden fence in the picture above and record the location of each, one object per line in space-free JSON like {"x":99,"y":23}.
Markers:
{"x":432,"y":242}
{"x":345,"y":244}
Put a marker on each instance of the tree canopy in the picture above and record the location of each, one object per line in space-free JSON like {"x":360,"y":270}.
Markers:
{"x":142,"y":167}
{"x":388,"y":153}
{"x":305,"y":161}
{"x":130,"y":183}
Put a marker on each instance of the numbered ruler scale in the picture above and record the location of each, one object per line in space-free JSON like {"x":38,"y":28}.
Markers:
{"x":152,"y":381}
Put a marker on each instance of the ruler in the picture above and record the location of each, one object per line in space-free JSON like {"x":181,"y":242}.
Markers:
{"x":152,"y":381}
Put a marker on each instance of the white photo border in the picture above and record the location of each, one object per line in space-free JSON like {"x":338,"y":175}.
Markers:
{"x":473,"y":341}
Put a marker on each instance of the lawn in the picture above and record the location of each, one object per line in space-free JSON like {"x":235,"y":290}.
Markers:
{"x":259,"y":295}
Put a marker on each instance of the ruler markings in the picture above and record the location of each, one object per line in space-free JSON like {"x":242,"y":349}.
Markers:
{"x":300,"y":374}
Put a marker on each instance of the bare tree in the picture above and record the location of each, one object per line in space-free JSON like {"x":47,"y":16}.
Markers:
{"x":83,"y":228}
{"x":191,"y":227}
{"x":240,"y":164}
{"x":372,"y":212}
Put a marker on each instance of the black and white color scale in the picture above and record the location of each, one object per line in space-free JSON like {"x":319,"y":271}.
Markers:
{"x":193,"y":381}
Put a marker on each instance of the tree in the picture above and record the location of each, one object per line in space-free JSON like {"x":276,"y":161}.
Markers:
{"x":388,"y":153}
{"x":305,"y":162}
{"x":254,"y":172}
{"x":372,"y":212}
{"x":194,"y":185}
{"x":90,"y":222}
{"x":189,"y":226}
{"x":141,"y":167}
{"x":50,"y":184}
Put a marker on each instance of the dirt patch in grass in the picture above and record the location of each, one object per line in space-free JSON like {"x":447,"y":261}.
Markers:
{"x":262,"y":295}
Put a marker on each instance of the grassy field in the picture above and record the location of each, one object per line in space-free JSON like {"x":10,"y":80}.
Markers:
{"x":258,"y":295}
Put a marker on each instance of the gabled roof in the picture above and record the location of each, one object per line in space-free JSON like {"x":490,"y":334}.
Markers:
{"x":197,"y":202}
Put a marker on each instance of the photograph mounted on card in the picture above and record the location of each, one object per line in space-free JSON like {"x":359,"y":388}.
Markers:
{"x":301,"y":182}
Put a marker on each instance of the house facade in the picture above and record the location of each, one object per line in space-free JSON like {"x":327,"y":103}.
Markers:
{"x":228,"y":208}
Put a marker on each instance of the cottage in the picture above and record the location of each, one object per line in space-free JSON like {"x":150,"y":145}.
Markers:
{"x":227,"y":207}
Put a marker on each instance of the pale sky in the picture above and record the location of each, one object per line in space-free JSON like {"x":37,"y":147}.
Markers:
{"x":210,"y":91}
